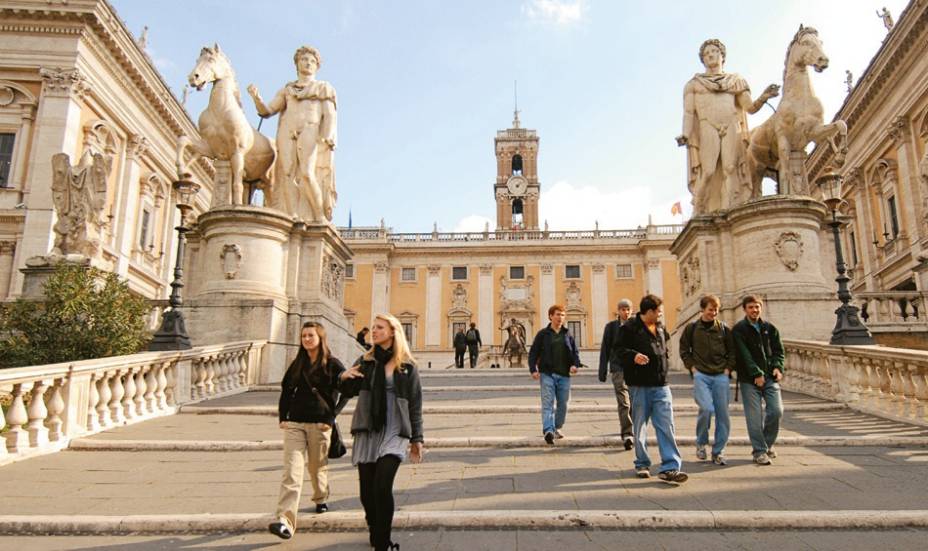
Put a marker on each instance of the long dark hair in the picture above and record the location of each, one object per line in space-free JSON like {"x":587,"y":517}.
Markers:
{"x":303,"y":361}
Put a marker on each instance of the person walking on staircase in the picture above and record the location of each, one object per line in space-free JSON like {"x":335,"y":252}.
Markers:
{"x":460,"y":346}
{"x":642,"y":347}
{"x":306,"y":412}
{"x":387,"y":422}
{"x":609,"y":365}
{"x":552,"y":359}
{"x":473,"y":343}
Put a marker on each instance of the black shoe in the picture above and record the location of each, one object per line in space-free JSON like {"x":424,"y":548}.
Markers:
{"x":629,"y":443}
{"x":280,"y":530}
{"x":549,"y":437}
{"x":673,"y":477}
{"x":322,"y":508}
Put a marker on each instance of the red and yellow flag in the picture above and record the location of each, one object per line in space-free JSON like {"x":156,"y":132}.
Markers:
{"x":676,"y":209}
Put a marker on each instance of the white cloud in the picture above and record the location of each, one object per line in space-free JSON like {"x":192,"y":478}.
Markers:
{"x":474,"y":223}
{"x":560,"y":12}
{"x":569,"y":207}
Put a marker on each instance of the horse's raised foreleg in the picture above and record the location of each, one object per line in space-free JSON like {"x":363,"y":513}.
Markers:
{"x":197,"y":147}
{"x":836,"y":135}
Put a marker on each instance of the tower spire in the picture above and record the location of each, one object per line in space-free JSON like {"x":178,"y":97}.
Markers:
{"x":515,"y":115}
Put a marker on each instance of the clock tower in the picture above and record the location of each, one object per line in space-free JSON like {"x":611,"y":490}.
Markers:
{"x":516,"y":188}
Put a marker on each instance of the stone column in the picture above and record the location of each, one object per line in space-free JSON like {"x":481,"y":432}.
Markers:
{"x":485,"y":309}
{"x":127,"y":201}
{"x":907,"y":188}
{"x":601,"y":306}
{"x":654,"y":278}
{"x":545,"y":293}
{"x":433,"y":307}
{"x":865,"y":228}
{"x":7,"y":249}
{"x":57,"y":130}
{"x":380,"y":290}
{"x":24,"y":139}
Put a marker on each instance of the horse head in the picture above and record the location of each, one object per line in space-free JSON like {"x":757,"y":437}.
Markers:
{"x":211,"y":66}
{"x":806,"y":50}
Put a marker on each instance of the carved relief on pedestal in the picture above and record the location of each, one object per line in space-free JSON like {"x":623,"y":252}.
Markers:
{"x":333,"y":278}
{"x":691,"y":276}
{"x":789,"y":248}
{"x":459,"y":297}
{"x":573,"y":296}
{"x":231,"y":258}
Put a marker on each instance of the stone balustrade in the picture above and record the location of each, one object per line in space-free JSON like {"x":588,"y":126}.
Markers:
{"x":50,"y":404}
{"x":889,"y":382}
{"x":384,"y":235}
{"x":893,"y":309}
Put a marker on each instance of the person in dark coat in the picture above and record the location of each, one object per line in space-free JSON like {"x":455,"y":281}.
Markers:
{"x":609,"y":365}
{"x":460,"y":347}
{"x":473,"y":343}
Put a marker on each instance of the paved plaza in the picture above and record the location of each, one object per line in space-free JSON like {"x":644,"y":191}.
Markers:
{"x":208,"y":478}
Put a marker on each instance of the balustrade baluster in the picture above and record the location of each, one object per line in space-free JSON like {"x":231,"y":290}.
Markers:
{"x":886,"y":390}
{"x":909,"y":391}
{"x":38,"y":432}
{"x":103,"y":410}
{"x":170,"y":388}
{"x":17,"y":438}
{"x":854,"y":376}
{"x":151,"y":385}
{"x":198,"y":390}
{"x":161,"y":401}
{"x":210,"y":375}
{"x":221,"y":377}
{"x":921,"y":392}
{"x":128,"y":399}
{"x":55,"y":406}
{"x":93,"y":422}
{"x":140,"y":387}
{"x":118,"y":391}
{"x":243,"y":369}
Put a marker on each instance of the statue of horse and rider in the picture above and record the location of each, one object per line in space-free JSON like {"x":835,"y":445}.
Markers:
{"x":514,"y":347}
{"x":727,"y":161}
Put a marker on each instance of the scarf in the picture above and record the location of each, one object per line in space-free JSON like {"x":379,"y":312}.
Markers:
{"x":379,"y":388}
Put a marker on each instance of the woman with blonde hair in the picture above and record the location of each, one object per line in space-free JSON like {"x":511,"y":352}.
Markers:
{"x":387,"y":422}
{"x":306,"y":412}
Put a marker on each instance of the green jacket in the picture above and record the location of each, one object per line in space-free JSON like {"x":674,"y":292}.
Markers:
{"x":708,"y":350}
{"x":758,"y":353}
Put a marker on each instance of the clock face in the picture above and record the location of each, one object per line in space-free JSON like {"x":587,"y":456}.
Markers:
{"x":517,"y":185}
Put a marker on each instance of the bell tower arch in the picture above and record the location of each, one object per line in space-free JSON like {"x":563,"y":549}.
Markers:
{"x":517,"y":188}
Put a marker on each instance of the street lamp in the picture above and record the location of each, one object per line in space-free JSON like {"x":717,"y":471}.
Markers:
{"x":849,"y":330}
{"x":172,"y":335}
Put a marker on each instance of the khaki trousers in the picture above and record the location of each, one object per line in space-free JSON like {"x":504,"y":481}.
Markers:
{"x":306,"y":447}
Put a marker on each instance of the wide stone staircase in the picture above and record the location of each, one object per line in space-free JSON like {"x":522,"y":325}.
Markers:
{"x":208,"y":477}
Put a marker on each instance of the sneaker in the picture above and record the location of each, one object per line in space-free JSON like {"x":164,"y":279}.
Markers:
{"x":629,"y":443}
{"x":322,"y":508}
{"x":762,"y":459}
{"x":719,"y":459}
{"x":701,"y":453}
{"x":280,"y":530}
{"x":558,"y":434}
{"x":549,"y":437}
{"x":642,"y":472}
{"x":771,"y":454}
{"x":674,"y":477}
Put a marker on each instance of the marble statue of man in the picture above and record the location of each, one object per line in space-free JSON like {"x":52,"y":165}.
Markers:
{"x":306,"y":135}
{"x":715,"y":132}
{"x":79,"y":196}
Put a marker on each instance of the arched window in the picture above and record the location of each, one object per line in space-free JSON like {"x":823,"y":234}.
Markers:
{"x":517,"y":210}
{"x":517,"y":165}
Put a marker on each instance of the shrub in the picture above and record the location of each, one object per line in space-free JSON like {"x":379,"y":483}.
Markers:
{"x":86,"y":313}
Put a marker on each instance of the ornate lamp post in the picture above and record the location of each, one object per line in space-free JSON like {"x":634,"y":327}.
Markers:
{"x":172,"y":335}
{"x":849,"y":329}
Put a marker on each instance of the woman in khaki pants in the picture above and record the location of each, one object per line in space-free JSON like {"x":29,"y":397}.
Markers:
{"x":307,"y":402}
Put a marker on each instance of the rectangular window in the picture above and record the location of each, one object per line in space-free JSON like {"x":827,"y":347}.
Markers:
{"x":457,"y":326}
{"x":853,"y":239}
{"x":623,"y":271}
{"x":572,"y":271}
{"x":408,"y":274}
{"x":407,"y":330}
{"x":6,"y":158}
{"x":573,"y":327}
{"x":459,"y":273}
{"x":893,"y":219}
{"x":145,"y":229}
{"x":349,"y":271}
{"x":517,"y":272}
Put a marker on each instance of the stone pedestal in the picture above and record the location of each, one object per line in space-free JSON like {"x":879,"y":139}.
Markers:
{"x":772,"y":247}
{"x":39,"y":268}
{"x":255,"y":273}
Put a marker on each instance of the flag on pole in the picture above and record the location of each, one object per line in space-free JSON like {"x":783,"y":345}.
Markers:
{"x":676,"y":209}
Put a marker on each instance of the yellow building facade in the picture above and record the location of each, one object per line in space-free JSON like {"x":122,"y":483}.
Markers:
{"x":438,"y":282}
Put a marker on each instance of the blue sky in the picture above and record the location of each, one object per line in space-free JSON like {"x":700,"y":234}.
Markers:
{"x":424,"y":85}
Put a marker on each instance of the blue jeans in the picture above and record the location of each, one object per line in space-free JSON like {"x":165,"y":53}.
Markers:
{"x":763,"y":427}
{"x":711,"y":394}
{"x":554,"y":387}
{"x":654,"y":403}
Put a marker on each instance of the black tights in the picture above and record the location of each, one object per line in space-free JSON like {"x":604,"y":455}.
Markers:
{"x":376,"y":481}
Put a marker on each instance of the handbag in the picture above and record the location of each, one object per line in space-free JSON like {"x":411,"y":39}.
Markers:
{"x":337,"y":446}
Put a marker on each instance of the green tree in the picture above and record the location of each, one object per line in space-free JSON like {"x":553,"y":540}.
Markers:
{"x":87,"y":313}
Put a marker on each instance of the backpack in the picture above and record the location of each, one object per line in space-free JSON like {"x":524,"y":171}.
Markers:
{"x":471,"y":336}
{"x":688,"y":332}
